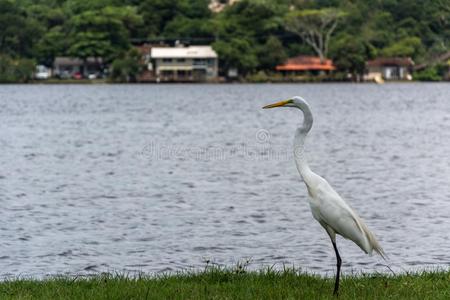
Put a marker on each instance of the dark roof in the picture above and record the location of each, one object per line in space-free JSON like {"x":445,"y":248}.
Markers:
{"x":389,"y":61}
{"x":306,"y":63}
{"x":72,"y":61}
{"x":144,"y":48}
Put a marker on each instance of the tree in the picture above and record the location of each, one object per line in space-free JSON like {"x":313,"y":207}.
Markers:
{"x":314,"y":26}
{"x":183,"y":27}
{"x":15,"y":70}
{"x":18,"y":33}
{"x":407,"y":47}
{"x":250,"y":19}
{"x":127,"y":66}
{"x":271,"y":53}
{"x":101,"y":33}
{"x":46,"y":15}
{"x":157,"y":13}
{"x":241,"y":35}
{"x":237,"y":53}
{"x":428,"y":74}
{"x":52,"y":44}
{"x":350,"y":54}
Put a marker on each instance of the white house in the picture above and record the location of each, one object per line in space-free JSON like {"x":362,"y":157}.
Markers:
{"x":389,"y":68}
{"x":192,"y":63}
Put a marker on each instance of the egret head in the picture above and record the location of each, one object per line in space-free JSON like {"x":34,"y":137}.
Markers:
{"x":296,"y":101}
{"x":301,"y":104}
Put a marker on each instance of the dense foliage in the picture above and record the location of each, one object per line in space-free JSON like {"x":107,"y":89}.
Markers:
{"x":251,"y":35}
{"x":15,"y":70}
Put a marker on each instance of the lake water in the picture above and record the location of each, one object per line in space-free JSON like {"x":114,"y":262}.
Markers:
{"x":160,"y":178}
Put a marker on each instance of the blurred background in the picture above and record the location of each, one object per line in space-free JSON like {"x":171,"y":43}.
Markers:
{"x":248,"y":40}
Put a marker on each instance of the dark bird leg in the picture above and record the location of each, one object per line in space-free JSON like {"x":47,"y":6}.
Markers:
{"x":338,"y":273}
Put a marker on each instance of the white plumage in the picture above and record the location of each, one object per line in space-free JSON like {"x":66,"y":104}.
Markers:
{"x":336,"y":216}
{"x":327,"y":207}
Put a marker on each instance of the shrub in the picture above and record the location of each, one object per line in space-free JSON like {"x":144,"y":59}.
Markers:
{"x":126,"y":67}
{"x":428,"y":74}
{"x":15,"y":70}
{"x":261,"y":76}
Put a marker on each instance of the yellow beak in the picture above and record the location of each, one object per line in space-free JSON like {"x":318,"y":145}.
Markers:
{"x":278,"y":104}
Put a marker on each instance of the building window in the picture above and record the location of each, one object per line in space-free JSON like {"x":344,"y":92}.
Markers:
{"x":182,"y":74}
{"x":180,"y":60}
{"x":167,"y":60}
{"x":199,"y":62}
{"x":166,"y":73}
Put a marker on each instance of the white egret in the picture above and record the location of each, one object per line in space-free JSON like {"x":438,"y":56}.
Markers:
{"x":327,"y":207}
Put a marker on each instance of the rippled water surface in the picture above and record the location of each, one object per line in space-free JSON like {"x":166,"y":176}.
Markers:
{"x":160,"y":178}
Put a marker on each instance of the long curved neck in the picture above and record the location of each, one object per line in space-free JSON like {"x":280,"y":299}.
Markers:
{"x":299,"y":144}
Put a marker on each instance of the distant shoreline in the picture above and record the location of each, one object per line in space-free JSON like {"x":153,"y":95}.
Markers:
{"x":106,"y":82}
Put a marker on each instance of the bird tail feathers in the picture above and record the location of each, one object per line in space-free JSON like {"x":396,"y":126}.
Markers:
{"x":374,"y":245}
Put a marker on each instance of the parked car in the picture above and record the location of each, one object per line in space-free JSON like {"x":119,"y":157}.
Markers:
{"x":64,"y":75}
{"x":77,"y":75}
{"x":42,"y":72}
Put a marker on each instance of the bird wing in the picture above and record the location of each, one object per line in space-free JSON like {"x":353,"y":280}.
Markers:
{"x":332,"y":210}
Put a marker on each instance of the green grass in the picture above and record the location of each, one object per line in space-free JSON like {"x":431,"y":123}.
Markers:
{"x":215,"y":283}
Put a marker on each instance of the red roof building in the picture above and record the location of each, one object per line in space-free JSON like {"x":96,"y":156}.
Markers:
{"x":303,"y":63}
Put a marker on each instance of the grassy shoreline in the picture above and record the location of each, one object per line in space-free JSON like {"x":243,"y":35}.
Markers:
{"x":232,"y":284}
